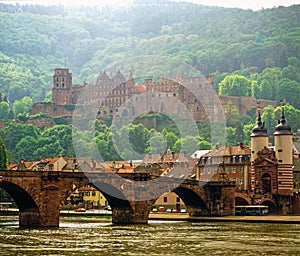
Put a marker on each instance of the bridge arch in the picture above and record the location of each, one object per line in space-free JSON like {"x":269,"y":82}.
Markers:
{"x":28,"y":208}
{"x":194,"y":203}
{"x":271,"y":205}
{"x":242,"y":199}
{"x":119,"y":201}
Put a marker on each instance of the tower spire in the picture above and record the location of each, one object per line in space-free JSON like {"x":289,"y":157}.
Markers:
{"x":259,"y":129}
{"x":282,"y":127}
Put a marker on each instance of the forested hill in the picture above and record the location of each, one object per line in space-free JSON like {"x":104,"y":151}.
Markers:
{"x":36,"y":39}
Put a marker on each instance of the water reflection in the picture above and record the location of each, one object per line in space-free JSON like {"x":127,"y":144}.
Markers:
{"x":95,"y":237}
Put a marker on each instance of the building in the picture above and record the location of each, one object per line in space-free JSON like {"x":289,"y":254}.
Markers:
{"x":91,"y":197}
{"x":118,"y":95}
{"x":169,"y":202}
{"x":232,"y":160}
{"x":264,"y":174}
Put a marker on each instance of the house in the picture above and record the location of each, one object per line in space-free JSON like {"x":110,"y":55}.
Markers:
{"x":232,"y":160}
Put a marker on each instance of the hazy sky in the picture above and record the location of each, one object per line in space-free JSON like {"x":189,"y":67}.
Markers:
{"x":251,"y":4}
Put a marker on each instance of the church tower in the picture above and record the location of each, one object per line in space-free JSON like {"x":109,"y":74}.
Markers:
{"x":284,"y":153}
{"x":62,"y":86}
{"x":259,"y":141}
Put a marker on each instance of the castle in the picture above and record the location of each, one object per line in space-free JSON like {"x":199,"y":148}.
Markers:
{"x":118,"y":95}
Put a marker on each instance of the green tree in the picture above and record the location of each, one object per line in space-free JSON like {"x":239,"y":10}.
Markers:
{"x":4,"y":110}
{"x":157,"y":143}
{"x":22,"y":106}
{"x":3,"y":156}
{"x":269,"y":82}
{"x":14,"y":132}
{"x":290,"y":90}
{"x":270,"y":121}
{"x":235,"y":85}
{"x":170,"y":137}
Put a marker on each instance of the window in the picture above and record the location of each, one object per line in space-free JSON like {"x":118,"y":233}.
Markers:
{"x":93,"y":193}
{"x":242,"y":169}
{"x":165,"y":199}
{"x":178,"y":200}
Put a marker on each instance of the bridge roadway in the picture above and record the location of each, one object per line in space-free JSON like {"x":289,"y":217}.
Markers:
{"x":40,"y":195}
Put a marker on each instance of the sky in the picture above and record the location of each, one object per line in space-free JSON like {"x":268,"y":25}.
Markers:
{"x":251,"y":4}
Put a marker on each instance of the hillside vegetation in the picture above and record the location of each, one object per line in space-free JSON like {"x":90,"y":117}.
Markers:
{"x":249,"y":53}
{"x":36,"y":39}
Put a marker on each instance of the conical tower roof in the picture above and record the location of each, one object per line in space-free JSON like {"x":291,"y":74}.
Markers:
{"x":282,"y":128}
{"x":259,"y":129}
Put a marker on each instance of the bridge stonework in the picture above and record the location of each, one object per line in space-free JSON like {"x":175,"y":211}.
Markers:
{"x":40,"y":195}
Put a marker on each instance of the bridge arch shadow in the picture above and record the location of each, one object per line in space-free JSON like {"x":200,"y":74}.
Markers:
{"x":194,"y":203}
{"x":28,"y":208}
{"x":114,"y":196}
{"x":242,"y":201}
{"x":271,"y":205}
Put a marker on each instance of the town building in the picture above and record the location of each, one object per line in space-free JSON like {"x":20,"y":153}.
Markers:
{"x":264,"y":174}
{"x":234,"y":161}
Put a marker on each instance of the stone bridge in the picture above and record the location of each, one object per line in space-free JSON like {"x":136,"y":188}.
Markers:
{"x":40,"y":195}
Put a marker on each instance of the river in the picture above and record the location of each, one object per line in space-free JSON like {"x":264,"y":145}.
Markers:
{"x":97,"y":237}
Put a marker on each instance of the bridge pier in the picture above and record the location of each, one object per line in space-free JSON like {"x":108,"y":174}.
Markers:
{"x":30,"y":218}
{"x":46,"y":215}
{"x":137,"y":214}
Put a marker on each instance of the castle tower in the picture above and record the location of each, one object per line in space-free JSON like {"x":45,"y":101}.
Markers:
{"x":259,"y":138}
{"x":284,"y":153}
{"x":259,"y":141}
{"x":62,"y":86}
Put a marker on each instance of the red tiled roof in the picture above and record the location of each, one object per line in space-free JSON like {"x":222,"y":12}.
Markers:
{"x":87,"y":189}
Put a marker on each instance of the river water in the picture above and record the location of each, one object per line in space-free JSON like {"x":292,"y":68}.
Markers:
{"x":92,"y":236}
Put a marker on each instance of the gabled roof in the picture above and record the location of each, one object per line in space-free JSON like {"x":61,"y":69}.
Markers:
{"x":264,"y":161}
{"x":229,"y":151}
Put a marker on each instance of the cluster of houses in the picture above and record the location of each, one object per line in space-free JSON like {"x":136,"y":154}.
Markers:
{"x":264,"y":174}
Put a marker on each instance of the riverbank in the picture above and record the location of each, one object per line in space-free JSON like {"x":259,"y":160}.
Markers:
{"x":254,"y":219}
{"x":104,"y":214}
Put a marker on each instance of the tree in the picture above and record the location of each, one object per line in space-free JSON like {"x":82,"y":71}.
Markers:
{"x":4,"y":110}
{"x":190,"y":144}
{"x":22,"y":106}
{"x":290,"y":90}
{"x":3,"y":156}
{"x":270,"y":120}
{"x":269,"y":82}
{"x":235,"y":85}
{"x":157,"y":143}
